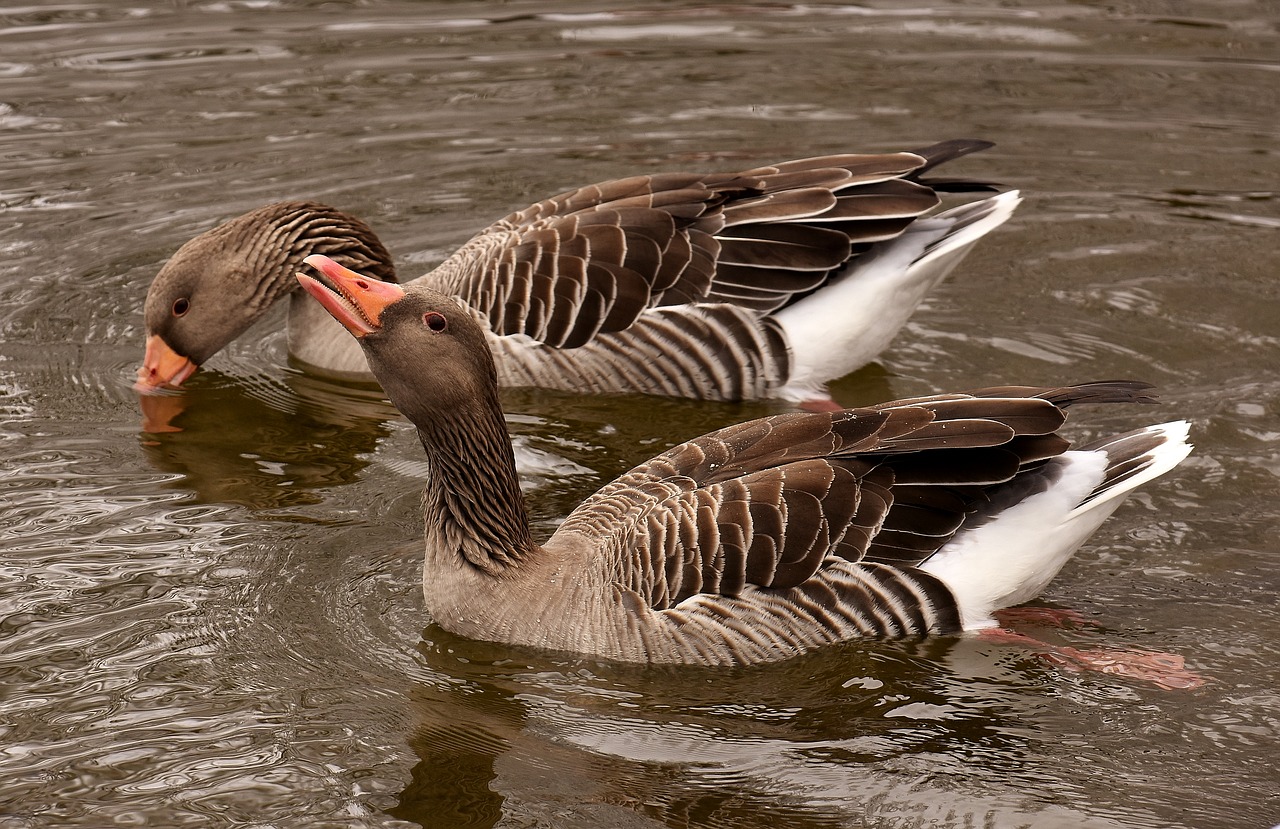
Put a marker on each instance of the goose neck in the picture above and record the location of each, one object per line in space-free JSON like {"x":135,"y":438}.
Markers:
{"x":474,"y":510}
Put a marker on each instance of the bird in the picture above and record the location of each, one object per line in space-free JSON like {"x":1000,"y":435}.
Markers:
{"x":760,"y":284}
{"x":755,"y":542}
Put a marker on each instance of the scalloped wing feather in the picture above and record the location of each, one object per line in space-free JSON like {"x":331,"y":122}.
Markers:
{"x":591,"y":261}
{"x":769,"y":503}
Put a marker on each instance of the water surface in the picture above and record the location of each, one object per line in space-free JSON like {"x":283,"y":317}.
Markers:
{"x":222,"y":624}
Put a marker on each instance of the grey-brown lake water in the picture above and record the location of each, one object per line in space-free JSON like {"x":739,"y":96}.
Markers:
{"x":222,"y":625}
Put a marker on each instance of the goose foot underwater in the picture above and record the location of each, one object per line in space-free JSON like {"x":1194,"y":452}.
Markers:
{"x":1165,"y":670}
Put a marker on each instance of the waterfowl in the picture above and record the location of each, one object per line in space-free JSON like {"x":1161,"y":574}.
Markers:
{"x":755,"y":542}
{"x":764,"y":283}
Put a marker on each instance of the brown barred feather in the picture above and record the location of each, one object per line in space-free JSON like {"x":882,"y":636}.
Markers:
{"x":655,"y":232}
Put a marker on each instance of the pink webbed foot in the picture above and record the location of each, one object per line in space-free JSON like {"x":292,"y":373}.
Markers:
{"x":1164,"y":670}
{"x":820,"y":405}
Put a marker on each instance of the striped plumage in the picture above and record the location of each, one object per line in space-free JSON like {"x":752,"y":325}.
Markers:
{"x":764,"y":283}
{"x":755,"y":542}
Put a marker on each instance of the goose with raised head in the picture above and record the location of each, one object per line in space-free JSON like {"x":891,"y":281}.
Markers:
{"x":758,"y":541}
{"x":765,"y":283}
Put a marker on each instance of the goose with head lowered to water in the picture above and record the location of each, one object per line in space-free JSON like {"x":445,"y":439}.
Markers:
{"x":755,"y":542}
{"x":764,"y":283}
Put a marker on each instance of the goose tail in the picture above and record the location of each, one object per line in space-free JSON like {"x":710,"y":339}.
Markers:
{"x":1010,"y":552}
{"x":847,"y":323}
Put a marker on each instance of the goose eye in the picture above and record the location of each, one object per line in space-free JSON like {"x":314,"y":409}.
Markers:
{"x":180,"y":306}
{"x":435,"y":321}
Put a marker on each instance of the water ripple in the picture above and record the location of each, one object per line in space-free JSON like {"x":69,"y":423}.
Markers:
{"x":146,"y":59}
{"x":223,"y":623}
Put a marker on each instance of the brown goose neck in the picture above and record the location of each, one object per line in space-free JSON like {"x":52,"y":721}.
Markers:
{"x":473,"y":505}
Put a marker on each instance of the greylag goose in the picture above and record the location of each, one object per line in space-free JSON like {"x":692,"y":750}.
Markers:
{"x":755,"y":542}
{"x":765,"y":283}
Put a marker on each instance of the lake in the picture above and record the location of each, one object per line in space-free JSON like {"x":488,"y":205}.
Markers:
{"x":223,"y":625}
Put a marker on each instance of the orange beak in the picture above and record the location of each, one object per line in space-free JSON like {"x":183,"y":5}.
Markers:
{"x":358,"y":302}
{"x":162,"y":366}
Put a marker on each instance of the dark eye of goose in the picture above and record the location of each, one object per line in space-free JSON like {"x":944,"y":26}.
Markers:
{"x":435,"y":321}
{"x":180,"y":306}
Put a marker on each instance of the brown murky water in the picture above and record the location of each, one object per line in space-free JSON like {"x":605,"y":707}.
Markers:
{"x":222,"y":625}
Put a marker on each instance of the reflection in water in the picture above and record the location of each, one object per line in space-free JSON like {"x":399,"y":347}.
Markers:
{"x":466,"y":723}
{"x":261,"y":445}
{"x":938,"y":731}
{"x":180,"y":664}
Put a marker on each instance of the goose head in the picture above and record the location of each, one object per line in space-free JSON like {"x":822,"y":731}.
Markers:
{"x":222,"y":281}
{"x":429,"y":353}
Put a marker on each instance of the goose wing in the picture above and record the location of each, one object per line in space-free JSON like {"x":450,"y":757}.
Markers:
{"x":591,"y":260}
{"x":769,"y":502}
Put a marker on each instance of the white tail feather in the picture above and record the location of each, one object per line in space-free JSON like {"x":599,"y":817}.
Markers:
{"x":849,"y":322}
{"x":1011,"y":558}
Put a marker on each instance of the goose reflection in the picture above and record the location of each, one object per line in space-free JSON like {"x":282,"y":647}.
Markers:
{"x":270,"y":443}
{"x":256,"y":442}
{"x":938,"y":729}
